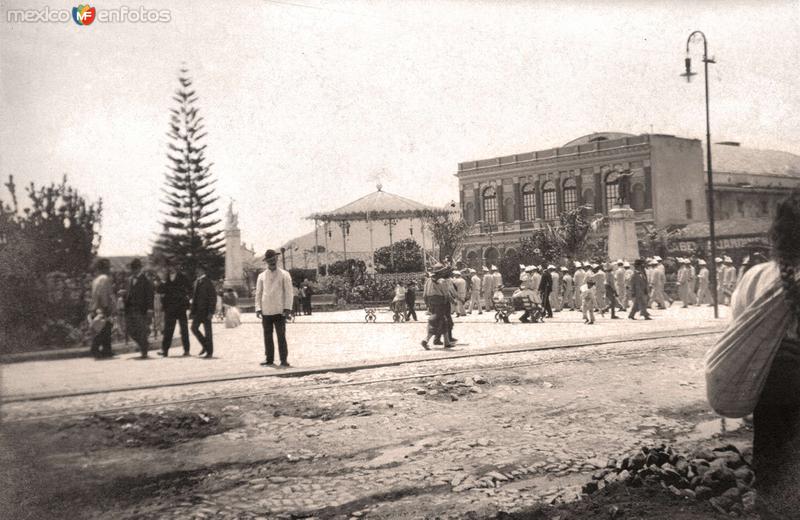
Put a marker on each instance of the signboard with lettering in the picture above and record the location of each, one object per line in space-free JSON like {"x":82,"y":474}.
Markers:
{"x":733,"y":245}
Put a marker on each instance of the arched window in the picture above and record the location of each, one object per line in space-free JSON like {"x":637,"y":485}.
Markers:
{"x":472,"y":260}
{"x":570,"y":195}
{"x":508,"y":209}
{"x":510,"y":253}
{"x":588,"y":199}
{"x":549,"y":201}
{"x":612,"y":189}
{"x":490,"y":206}
{"x":469,"y":213}
{"x":528,"y":202}
{"x":491,"y":256}
{"x":637,"y":197}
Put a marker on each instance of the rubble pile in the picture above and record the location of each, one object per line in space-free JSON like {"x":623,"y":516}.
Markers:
{"x":452,"y":388}
{"x":159,"y":430}
{"x":722,"y":475}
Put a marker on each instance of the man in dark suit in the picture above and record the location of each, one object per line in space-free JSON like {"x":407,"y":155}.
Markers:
{"x":175,"y":291}
{"x":204,"y":301}
{"x":139,"y":307}
{"x":307,"y":292}
{"x":545,"y":288}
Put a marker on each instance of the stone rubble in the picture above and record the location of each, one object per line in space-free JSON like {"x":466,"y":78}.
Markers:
{"x":722,"y":475}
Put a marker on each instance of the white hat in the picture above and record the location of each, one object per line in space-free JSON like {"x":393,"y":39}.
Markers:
{"x":494,"y":268}
{"x":718,"y":260}
{"x":626,"y":264}
{"x":564,"y":268}
{"x":485,"y":269}
{"x":701,"y":262}
{"x":529,"y":269}
{"x":578,"y":264}
{"x":657,"y":258}
{"x":456,"y":273}
{"x":551,"y":266}
{"x":522,"y":267}
{"x":728,"y":260}
{"x":652,"y":262}
{"x":594,"y":266}
{"x":619,"y":261}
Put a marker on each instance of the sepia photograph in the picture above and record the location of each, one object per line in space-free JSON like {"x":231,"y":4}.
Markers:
{"x":400,"y":259}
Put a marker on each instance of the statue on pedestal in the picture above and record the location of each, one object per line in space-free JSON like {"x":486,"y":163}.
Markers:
{"x":624,"y":184}
{"x":231,"y":218}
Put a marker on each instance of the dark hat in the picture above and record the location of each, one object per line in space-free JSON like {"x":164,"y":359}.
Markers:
{"x":135,"y":264}
{"x":271,"y":253}
{"x":102,"y":264}
{"x":441,"y":271}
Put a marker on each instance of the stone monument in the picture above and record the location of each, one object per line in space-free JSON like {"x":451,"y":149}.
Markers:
{"x":234,"y":270}
{"x":622,"y":242}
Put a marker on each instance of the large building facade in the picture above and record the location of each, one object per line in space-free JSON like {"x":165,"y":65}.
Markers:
{"x":504,"y":198}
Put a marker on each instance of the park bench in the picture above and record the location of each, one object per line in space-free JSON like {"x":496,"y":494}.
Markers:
{"x":371,"y":309}
{"x":502,"y":310}
{"x":535,"y":310}
{"x":323,"y":300}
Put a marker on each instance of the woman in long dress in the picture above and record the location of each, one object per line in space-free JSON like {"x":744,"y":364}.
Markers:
{"x":776,"y":419}
{"x":231,"y":304}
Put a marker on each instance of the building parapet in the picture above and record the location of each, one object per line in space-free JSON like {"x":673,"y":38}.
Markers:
{"x":551,"y":153}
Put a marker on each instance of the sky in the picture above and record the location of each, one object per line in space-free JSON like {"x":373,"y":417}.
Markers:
{"x":309,"y":104}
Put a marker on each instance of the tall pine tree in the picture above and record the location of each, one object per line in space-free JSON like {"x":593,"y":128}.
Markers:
{"x":190,"y":232}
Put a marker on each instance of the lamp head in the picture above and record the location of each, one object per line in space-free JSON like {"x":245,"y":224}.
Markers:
{"x":688,"y":74}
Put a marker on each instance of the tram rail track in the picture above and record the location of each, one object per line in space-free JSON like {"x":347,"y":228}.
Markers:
{"x":324,"y":386}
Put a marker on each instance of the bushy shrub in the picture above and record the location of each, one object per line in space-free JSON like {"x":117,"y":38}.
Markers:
{"x":404,"y":256}
{"x":351,"y":268}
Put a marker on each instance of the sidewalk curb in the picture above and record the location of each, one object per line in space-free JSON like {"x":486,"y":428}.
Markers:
{"x":78,"y":352}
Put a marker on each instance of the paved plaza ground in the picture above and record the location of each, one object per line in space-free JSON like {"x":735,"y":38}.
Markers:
{"x":333,"y":340}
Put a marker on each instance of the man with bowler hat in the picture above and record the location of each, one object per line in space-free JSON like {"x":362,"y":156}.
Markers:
{"x":175,"y":290}
{"x":274,"y":297}
{"x":204,"y":303}
{"x":139,"y":307}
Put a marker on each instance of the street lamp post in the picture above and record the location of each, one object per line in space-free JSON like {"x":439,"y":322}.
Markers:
{"x":688,"y":75}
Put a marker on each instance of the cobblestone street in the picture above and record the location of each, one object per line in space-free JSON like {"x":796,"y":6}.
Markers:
{"x":485,"y":434}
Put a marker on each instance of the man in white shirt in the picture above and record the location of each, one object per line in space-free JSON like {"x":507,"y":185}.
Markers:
{"x":274,"y":298}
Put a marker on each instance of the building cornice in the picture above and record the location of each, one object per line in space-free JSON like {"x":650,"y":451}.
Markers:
{"x":545,"y":165}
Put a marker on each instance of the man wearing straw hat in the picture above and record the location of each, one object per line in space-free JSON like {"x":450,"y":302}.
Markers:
{"x":703,"y":293}
{"x":578,"y":279}
{"x":475,"y":293}
{"x":274,"y":298}
{"x":639,"y":291}
{"x":439,"y":291}
{"x":461,"y":290}
{"x":567,"y":289}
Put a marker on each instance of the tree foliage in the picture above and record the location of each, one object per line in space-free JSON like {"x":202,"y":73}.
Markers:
{"x":554,"y":244}
{"x":449,"y":232}
{"x":407,"y":257}
{"x":57,"y":231}
{"x":47,"y":246}
{"x":190,"y":233}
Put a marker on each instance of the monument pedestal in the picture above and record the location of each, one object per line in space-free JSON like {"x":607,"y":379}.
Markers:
{"x":234,"y":271}
{"x":622,"y":241}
